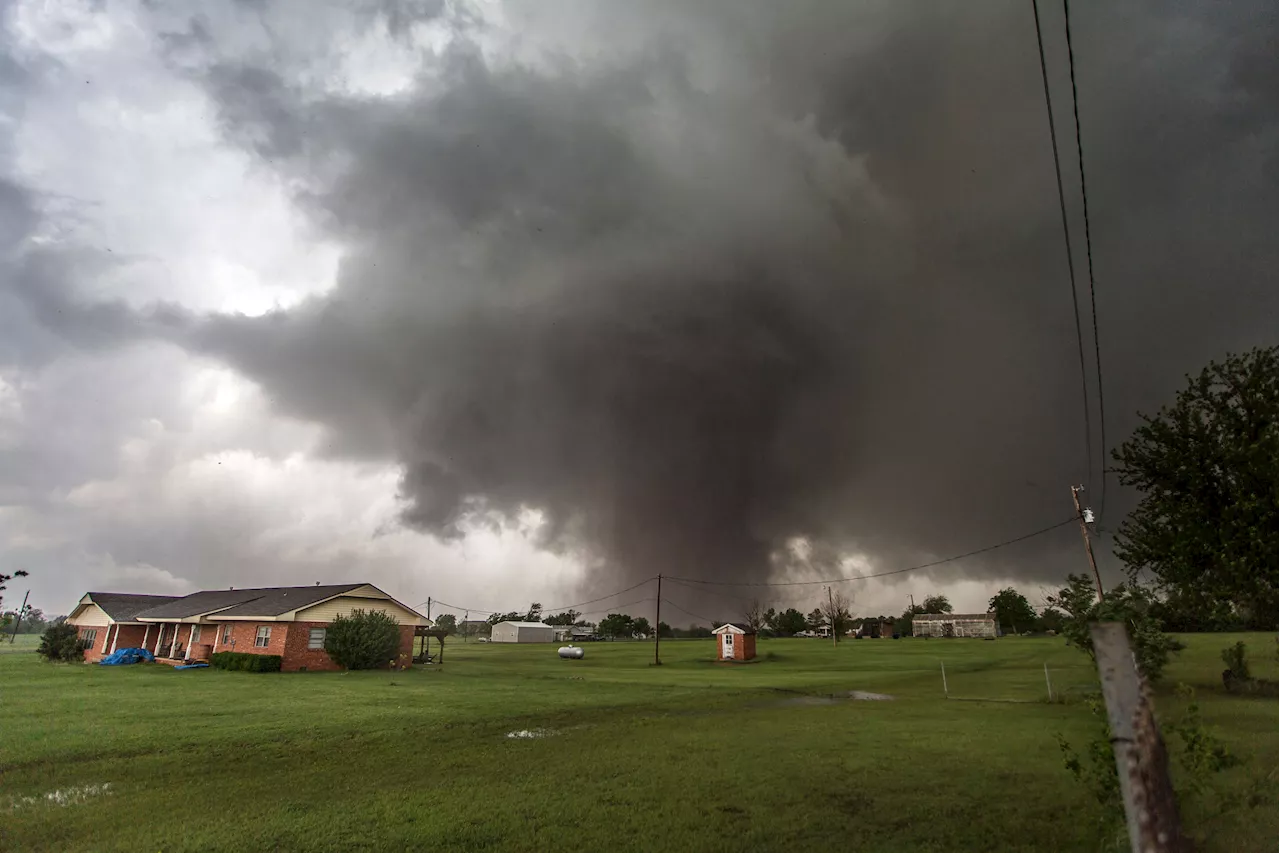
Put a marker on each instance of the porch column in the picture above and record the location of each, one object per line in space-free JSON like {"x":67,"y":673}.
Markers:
{"x":106,"y":636}
{"x":146,"y":634}
{"x":115,"y":641}
{"x":217,"y":636}
{"x":173,"y":647}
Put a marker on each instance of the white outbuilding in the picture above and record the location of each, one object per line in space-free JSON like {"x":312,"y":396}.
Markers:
{"x":522,"y":632}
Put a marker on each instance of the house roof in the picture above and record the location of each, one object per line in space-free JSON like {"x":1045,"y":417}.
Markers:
{"x":125,"y":606}
{"x":268,"y":601}
{"x":528,"y":624}
{"x":953,"y":617}
{"x":741,"y":626}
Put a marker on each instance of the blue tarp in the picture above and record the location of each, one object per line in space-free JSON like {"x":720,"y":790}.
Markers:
{"x":192,"y":666}
{"x":121,"y":657}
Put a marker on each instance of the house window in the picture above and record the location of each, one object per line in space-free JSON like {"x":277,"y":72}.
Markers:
{"x":315,"y":640}
{"x":263,"y":637}
{"x":195,"y":633}
{"x":89,"y":637}
{"x":226,"y":634}
{"x":728,"y":641}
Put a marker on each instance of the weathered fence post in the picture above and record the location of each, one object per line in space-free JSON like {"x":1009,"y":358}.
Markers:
{"x":1150,"y":808}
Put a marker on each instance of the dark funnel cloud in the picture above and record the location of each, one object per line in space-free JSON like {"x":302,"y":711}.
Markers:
{"x":697,"y":279}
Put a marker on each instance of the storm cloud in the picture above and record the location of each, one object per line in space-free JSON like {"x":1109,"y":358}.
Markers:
{"x":694,"y":281}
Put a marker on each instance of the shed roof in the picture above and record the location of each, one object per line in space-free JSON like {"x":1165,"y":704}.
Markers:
{"x":268,"y":601}
{"x":741,"y":626}
{"x":954,"y":617}
{"x":528,"y":624}
{"x":125,"y":606}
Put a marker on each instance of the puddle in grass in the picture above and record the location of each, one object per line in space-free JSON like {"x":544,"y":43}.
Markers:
{"x":529,"y":734}
{"x":62,"y":797}
{"x":852,"y":695}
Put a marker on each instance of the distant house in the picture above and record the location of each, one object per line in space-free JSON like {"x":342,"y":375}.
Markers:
{"x":523,"y":632}
{"x":287,"y":621}
{"x":735,"y":641}
{"x":953,"y":625}
{"x":565,"y":633}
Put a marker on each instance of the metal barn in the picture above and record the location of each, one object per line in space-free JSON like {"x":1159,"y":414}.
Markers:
{"x":522,"y":632}
{"x":953,"y":625}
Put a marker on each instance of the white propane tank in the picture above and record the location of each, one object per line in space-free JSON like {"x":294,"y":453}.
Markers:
{"x":571,"y":652}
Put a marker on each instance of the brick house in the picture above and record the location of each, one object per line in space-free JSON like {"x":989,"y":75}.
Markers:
{"x":286,"y":621}
{"x":735,"y":642}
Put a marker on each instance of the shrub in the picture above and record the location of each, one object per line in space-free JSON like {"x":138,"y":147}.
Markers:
{"x":363,"y":640}
{"x":1237,"y":660}
{"x":245,"y":662}
{"x":1127,"y":603}
{"x":61,"y":643}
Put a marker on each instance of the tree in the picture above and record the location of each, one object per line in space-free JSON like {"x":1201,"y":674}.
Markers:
{"x":4,"y":579}
{"x":936,"y":604}
{"x":664,"y":630}
{"x":1051,"y":620}
{"x":565,"y":617}
{"x":815,"y":619}
{"x":1206,"y":527}
{"x":641,"y":626}
{"x":1013,"y":610}
{"x":366,"y":639}
{"x":789,"y":622}
{"x":835,"y":614}
{"x":755,"y":615}
{"x":616,"y":625}
{"x":534,"y":613}
{"x":447,"y":622}
{"x":511,"y":616}
{"x":61,"y":642}
{"x":1127,"y":603}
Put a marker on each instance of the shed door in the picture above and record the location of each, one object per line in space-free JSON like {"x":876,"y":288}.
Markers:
{"x":726,"y":645}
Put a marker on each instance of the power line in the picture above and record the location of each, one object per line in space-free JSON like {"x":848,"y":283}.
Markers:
{"x":671,"y":603}
{"x":545,"y":609}
{"x":1066,"y":236}
{"x":1088,"y":249}
{"x":1007,"y":542}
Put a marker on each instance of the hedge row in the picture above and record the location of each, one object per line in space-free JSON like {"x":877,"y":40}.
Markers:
{"x":245,"y":662}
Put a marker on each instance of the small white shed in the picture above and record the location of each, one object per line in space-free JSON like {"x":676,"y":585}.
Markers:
{"x":522,"y":632}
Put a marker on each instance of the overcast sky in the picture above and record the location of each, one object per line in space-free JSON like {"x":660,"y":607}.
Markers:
{"x":502,"y":302}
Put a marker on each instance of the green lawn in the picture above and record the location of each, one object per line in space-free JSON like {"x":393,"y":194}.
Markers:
{"x":690,"y":756}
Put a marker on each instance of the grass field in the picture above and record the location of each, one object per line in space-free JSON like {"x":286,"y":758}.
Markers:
{"x":690,"y":756}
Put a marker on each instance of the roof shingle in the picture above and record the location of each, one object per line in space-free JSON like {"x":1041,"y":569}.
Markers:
{"x":125,"y":606}
{"x":269,"y":601}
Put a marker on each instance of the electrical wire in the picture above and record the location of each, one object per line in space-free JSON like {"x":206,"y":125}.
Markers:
{"x":1072,"y":520}
{"x":1088,"y":249}
{"x":545,"y":609}
{"x":1066,"y":236}
{"x":686,"y":612}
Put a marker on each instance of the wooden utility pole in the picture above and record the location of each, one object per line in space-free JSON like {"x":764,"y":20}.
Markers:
{"x":1084,"y":530}
{"x":466,"y":617}
{"x":657,"y":617}
{"x":428,"y":608}
{"x":17,"y":620}
{"x":831,"y":614}
{"x":1150,"y":807}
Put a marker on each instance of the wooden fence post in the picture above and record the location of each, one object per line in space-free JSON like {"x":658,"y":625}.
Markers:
{"x":1150,"y":807}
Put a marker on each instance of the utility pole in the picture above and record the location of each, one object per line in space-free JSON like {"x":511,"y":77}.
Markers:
{"x":13,"y":638}
{"x":1142,"y":763}
{"x":913,"y":603}
{"x":1085,"y":516}
{"x":831,"y":613}
{"x":657,"y":620}
{"x":428,"y":608}
{"x":466,"y":617}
